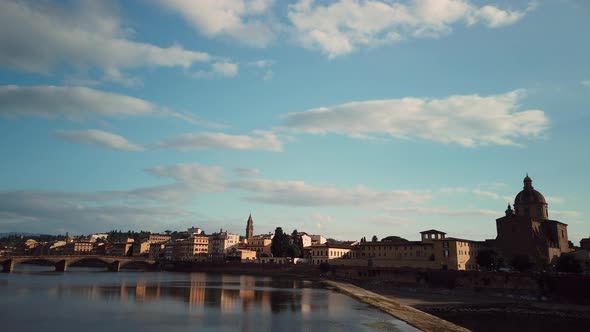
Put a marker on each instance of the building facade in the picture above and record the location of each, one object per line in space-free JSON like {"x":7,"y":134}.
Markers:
{"x":78,"y":248}
{"x":328,"y":252}
{"x":220,"y":243}
{"x":260,"y":244}
{"x":191,"y":248}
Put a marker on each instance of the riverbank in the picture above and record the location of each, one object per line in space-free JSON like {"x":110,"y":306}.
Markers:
{"x":412,"y":316}
{"x":485,"y":312}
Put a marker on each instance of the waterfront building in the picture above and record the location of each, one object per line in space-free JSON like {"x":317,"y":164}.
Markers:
{"x":194,"y":230}
{"x":168,"y":250}
{"x":400,"y":253}
{"x":260,"y":244}
{"x":191,"y":248}
{"x":96,"y":236}
{"x":527,"y":230}
{"x":242,"y":255}
{"x":329,"y":251}
{"x":317,"y":239}
{"x":158,"y":238}
{"x":305,"y":239}
{"x":78,"y":248}
{"x":220,"y":243}
{"x":156,"y":251}
{"x":457,"y":254}
{"x":119,"y":249}
{"x":141,"y":248}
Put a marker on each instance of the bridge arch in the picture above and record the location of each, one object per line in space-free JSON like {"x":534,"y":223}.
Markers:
{"x":104,"y":262}
{"x":36,"y":261}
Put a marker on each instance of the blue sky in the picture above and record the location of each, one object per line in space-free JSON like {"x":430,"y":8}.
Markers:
{"x":347,"y":118}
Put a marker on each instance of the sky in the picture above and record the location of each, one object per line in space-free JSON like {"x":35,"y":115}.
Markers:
{"x":345,"y":118}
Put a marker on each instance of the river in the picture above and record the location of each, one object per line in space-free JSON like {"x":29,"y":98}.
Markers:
{"x":34,"y":298}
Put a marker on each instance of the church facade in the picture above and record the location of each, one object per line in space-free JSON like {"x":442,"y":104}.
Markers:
{"x":527,"y":230}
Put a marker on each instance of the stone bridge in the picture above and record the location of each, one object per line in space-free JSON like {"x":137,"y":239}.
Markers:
{"x":61,"y":263}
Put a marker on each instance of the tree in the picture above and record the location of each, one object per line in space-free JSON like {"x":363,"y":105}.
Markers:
{"x":393,"y":238}
{"x":296,"y":249}
{"x":280,"y":243}
{"x":488,"y":259}
{"x":522,"y":263}
{"x":568,"y":263}
{"x":374,"y":239}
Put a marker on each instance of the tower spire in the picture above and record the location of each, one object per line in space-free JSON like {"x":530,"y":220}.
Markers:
{"x":250,"y":227}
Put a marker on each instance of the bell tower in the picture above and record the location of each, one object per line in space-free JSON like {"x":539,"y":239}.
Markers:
{"x":250,"y":227}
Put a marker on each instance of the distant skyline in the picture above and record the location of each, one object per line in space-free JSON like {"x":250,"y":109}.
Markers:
{"x":344,"y":118}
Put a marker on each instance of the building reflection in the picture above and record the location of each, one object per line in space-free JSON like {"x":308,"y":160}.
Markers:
{"x":227,"y":293}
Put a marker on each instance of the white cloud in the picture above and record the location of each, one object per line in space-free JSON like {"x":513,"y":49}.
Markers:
{"x":340,"y":27}
{"x":300,"y":193}
{"x":98,"y":137}
{"x":244,"y":21}
{"x":69,"y":102}
{"x":261,"y":140}
{"x":495,"y":17}
{"x":467,"y":120}
{"x":586,"y":83}
{"x":225,"y":69}
{"x":240,"y":171}
{"x":196,"y":176}
{"x":37,"y":36}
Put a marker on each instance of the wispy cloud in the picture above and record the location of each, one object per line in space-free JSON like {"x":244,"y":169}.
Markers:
{"x":69,"y":102}
{"x":300,"y":193}
{"x":264,"y":141}
{"x":79,"y":103}
{"x":467,"y":120}
{"x":98,"y":137}
{"x":218,"y":69}
{"x":445,"y":211}
{"x":246,"y":171}
{"x":260,"y":140}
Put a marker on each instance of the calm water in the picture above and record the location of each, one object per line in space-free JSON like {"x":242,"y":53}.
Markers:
{"x":84,"y":299}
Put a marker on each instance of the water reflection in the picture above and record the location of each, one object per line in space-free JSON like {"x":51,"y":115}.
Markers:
{"x":181,"y":302}
{"x":224,"y":292}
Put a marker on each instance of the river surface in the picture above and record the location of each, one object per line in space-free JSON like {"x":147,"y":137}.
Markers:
{"x":34,"y":298}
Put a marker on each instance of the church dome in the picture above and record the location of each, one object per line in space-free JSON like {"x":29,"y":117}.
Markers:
{"x":529,"y":195}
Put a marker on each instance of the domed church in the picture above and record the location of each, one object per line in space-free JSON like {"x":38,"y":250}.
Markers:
{"x":527,"y":230}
